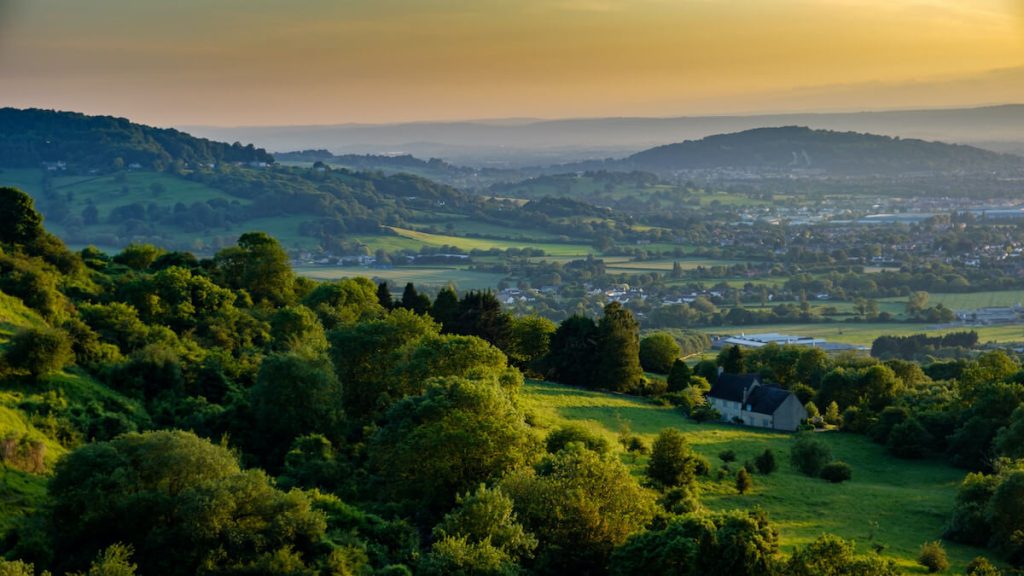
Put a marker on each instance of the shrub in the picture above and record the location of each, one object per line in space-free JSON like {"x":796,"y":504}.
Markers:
{"x":836,"y":472}
{"x":981,"y":566}
{"x":39,"y":351}
{"x":560,"y":437}
{"x":705,"y":413}
{"x":672,"y":462}
{"x":743,"y":481}
{"x":727,"y":455}
{"x":809,"y":455}
{"x":933,"y":557}
{"x":766,"y":462}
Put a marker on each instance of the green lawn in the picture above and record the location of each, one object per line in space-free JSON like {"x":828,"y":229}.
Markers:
{"x":895,"y":502}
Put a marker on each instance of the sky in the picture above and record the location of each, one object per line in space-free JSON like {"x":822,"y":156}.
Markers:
{"x":288,"y":62}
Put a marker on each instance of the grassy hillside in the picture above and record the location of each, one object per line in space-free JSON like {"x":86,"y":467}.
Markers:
{"x":896,"y":502}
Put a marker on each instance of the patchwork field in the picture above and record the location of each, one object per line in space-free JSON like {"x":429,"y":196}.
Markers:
{"x":899,"y":503}
{"x":864,"y":333}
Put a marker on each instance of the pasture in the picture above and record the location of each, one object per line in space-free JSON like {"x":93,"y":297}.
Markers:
{"x":896,"y":503}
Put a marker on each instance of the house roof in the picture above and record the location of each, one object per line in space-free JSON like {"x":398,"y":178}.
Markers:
{"x":731,"y":386}
{"x":766,"y":399}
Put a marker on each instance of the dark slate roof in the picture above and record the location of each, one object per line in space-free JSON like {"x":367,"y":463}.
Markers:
{"x":731,"y":386}
{"x":766,"y":399}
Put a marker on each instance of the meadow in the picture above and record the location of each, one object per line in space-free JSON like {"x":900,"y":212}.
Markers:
{"x":864,"y":333}
{"x":430,"y":276}
{"x":898,"y":504}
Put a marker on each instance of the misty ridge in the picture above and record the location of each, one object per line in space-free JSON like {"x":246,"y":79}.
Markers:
{"x":532,"y":142}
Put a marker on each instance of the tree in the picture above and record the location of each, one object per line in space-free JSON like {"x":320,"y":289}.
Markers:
{"x":480,"y":536}
{"x":809,"y":455}
{"x":1009,"y":442}
{"x":480,"y":315}
{"x":917,"y":302}
{"x":933,"y":557}
{"x":39,"y":351}
{"x":344,"y":302}
{"x":446,"y":308}
{"x":732,"y":360}
{"x":297,"y":328}
{"x":458,"y":434}
{"x":743,"y":481}
{"x":22,"y":224}
{"x":733,"y":543}
{"x":384,"y":296}
{"x":908,"y":439}
{"x":182,"y":503}
{"x":114,"y":561}
{"x":618,"y":350}
{"x":1005,"y":513}
{"x":581,"y":505}
{"x":679,"y":376}
{"x":658,"y":352}
{"x":529,"y":341}
{"x":259,"y":265}
{"x":413,"y":300}
{"x":572,"y":352}
{"x":139,"y":256}
{"x":293,"y":396}
{"x":365,"y":356}
{"x":672,"y":462}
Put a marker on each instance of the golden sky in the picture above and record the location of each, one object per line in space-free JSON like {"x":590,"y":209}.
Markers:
{"x":249,"y":62}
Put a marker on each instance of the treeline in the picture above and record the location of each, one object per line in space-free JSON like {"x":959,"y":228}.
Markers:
{"x":921,"y":346}
{"x":105,"y":143}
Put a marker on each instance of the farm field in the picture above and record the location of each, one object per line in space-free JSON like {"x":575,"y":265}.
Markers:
{"x":552,"y":248}
{"x":864,"y":333}
{"x":971,"y":300}
{"x":436,"y":277}
{"x":897,"y":502}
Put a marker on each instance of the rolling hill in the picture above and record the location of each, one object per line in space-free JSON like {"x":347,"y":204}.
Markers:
{"x":794,"y":148}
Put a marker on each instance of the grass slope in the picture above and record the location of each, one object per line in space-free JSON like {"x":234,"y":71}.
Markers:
{"x":895,"y":502}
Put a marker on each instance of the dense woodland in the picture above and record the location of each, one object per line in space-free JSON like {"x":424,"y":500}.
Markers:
{"x":255,"y":422}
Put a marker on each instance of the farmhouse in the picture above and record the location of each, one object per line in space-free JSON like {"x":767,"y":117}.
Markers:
{"x":743,"y":398}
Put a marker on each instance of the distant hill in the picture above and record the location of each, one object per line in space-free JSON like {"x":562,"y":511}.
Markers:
{"x":84,"y":143}
{"x":535,"y":142}
{"x":794,"y":148}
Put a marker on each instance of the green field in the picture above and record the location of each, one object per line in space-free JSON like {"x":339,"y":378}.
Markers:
{"x":864,"y":333}
{"x":895,"y":502}
{"x":552,"y":248}
{"x":420,"y":275}
{"x":971,"y":300}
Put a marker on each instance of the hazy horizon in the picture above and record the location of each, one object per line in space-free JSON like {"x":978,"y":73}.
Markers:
{"x":314,"y":62}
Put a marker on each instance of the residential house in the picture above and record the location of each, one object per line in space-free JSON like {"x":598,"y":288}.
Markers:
{"x":744,"y":398}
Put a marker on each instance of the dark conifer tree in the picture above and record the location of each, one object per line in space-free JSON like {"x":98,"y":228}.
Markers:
{"x":618,"y":350}
{"x":573,"y":351}
{"x":446,"y":309}
{"x":384,"y":296}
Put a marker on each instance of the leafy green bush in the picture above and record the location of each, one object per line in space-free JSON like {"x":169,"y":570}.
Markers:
{"x":933,"y":557}
{"x":836,"y":472}
{"x":809,"y":455}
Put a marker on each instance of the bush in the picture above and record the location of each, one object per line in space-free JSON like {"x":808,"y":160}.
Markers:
{"x":705,"y":413}
{"x":39,"y":351}
{"x":766,"y":462}
{"x":981,"y":566}
{"x":933,"y":557}
{"x":672,"y":462}
{"x":743,"y":481}
{"x":836,"y":472}
{"x":809,"y":455}
{"x":727,"y":456}
{"x":560,"y":437}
